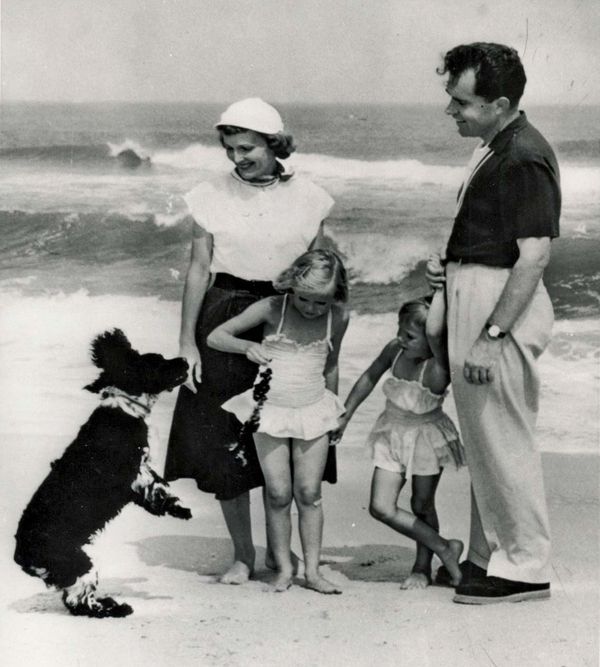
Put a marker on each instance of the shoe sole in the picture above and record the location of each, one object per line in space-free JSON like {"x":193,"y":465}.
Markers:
{"x":515,"y":597}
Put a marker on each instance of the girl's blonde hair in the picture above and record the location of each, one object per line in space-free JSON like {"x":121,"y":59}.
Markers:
{"x":415,"y":310}
{"x":315,"y":271}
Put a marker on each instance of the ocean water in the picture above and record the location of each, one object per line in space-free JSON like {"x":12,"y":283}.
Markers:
{"x":86,"y":240}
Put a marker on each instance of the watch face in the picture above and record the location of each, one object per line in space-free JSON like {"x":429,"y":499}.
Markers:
{"x":494,"y":331}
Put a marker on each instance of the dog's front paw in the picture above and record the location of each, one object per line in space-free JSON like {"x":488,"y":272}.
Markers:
{"x":178,"y":511}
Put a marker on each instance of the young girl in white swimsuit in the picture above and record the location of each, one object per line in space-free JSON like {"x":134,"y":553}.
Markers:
{"x":293,"y":405}
{"x":412,"y":438}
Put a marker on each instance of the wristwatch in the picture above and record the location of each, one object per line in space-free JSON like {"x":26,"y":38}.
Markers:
{"x":493,"y":331}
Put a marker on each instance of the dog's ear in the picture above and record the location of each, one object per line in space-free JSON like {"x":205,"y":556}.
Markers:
{"x":111,"y":352}
{"x":110,"y":349}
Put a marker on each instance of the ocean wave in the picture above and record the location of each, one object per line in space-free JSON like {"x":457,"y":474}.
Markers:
{"x":337,"y":171}
{"x":61,"y":153}
{"x":578,"y":148}
{"x":575,"y":179}
{"x":97,"y":237}
{"x":148,"y":248}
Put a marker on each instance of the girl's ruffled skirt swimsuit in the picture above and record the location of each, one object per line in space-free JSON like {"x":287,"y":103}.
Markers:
{"x":413,"y":419}
{"x":297,"y":405}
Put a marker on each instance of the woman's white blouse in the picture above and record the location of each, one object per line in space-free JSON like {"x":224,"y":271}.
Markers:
{"x":258,"y":231}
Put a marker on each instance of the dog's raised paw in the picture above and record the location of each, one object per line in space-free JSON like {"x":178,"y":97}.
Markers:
{"x":180,"y":512}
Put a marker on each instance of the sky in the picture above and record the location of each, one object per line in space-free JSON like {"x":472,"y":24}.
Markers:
{"x":311,"y":51}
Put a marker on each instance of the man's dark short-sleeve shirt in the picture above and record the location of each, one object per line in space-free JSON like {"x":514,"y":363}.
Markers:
{"x":515,"y":194}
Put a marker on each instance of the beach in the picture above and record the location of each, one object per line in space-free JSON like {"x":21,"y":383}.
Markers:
{"x":167,"y":569}
{"x":89,"y":245}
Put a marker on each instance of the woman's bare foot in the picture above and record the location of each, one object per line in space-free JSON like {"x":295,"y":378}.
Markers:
{"x":450,"y":557}
{"x":322,"y":585}
{"x":415,"y":580}
{"x":237,"y":574}
{"x":282,"y":582}
{"x":271,"y":563}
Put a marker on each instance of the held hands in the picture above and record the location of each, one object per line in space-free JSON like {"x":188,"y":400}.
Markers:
{"x":191,"y":354}
{"x":336,"y":436}
{"x":435,"y":272}
{"x":481,"y":360}
{"x":256,"y":352}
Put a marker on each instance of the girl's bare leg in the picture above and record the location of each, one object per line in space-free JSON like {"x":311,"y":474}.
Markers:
{"x":309,"y":462}
{"x":385,"y":488}
{"x":274,"y":457}
{"x":422,"y":504}
{"x":269,"y":557}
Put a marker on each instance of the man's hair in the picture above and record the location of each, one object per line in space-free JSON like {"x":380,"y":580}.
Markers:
{"x":498,"y":70}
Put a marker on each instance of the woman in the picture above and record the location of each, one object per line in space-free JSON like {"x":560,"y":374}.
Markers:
{"x":249,"y":226}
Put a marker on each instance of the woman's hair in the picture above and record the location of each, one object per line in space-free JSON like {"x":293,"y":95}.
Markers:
{"x":315,"y":271}
{"x":415,"y":310}
{"x":281,"y":144}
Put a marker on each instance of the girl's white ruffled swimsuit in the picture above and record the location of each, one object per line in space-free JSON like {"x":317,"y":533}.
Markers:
{"x":298,"y":405}
{"x":413,"y":418}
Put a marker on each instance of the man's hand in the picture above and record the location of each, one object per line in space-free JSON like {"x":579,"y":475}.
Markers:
{"x":435,"y":272}
{"x":481,"y":360}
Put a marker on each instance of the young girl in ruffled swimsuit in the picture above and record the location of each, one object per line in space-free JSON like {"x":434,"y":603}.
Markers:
{"x":412,"y":438}
{"x":293,"y":406}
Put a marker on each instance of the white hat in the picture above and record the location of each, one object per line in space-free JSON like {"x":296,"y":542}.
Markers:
{"x":252,"y":114}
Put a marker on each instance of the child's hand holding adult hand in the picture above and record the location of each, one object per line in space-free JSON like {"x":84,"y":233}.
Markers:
{"x":255,"y":352}
{"x":435,"y":272}
{"x":336,"y":436}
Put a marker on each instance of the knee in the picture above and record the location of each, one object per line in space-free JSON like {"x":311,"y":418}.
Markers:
{"x":308,"y":496}
{"x":279,"y":497}
{"x":422,"y":505}
{"x":380,"y":511}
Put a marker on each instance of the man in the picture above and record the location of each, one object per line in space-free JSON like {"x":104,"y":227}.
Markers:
{"x":499,"y":321}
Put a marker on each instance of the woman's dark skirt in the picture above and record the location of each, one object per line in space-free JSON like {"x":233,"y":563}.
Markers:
{"x":204,"y":441}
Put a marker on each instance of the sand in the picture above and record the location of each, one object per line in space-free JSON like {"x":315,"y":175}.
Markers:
{"x":167,"y":569}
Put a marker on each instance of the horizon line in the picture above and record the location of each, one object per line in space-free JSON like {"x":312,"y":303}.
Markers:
{"x":582,"y":103}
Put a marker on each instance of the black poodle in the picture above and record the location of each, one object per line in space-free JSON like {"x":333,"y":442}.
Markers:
{"x":101,"y":471}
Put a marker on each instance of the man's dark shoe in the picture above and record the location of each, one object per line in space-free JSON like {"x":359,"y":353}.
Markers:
{"x":490,"y":590}
{"x":469,"y":571}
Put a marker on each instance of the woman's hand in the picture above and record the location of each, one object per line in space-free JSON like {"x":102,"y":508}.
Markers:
{"x":191,"y":354}
{"x":435,"y":272}
{"x":256,"y":353}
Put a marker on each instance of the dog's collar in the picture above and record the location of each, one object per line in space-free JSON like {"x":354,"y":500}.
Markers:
{"x":136,"y":406}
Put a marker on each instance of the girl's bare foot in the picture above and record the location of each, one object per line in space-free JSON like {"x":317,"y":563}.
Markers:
{"x":450,"y":557}
{"x":282,"y":582}
{"x":322,"y":585}
{"x":237,"y":574}
{"x":415,"y":580}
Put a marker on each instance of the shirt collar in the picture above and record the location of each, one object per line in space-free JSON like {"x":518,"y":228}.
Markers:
{"x":284,"y":173}
{"x":501,"y":140}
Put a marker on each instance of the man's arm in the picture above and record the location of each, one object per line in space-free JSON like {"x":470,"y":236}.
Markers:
{"x":534,"y":254}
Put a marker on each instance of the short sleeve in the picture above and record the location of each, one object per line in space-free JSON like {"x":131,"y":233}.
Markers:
{"x":530,"y":200}
{"x":322,"y":201}
{"x":199,"y":201}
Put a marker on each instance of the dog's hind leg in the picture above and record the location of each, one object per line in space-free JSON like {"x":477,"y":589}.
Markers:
{"x":80,"y":599}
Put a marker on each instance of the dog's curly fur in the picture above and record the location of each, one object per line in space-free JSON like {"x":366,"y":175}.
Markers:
{"x":101,"y":471}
